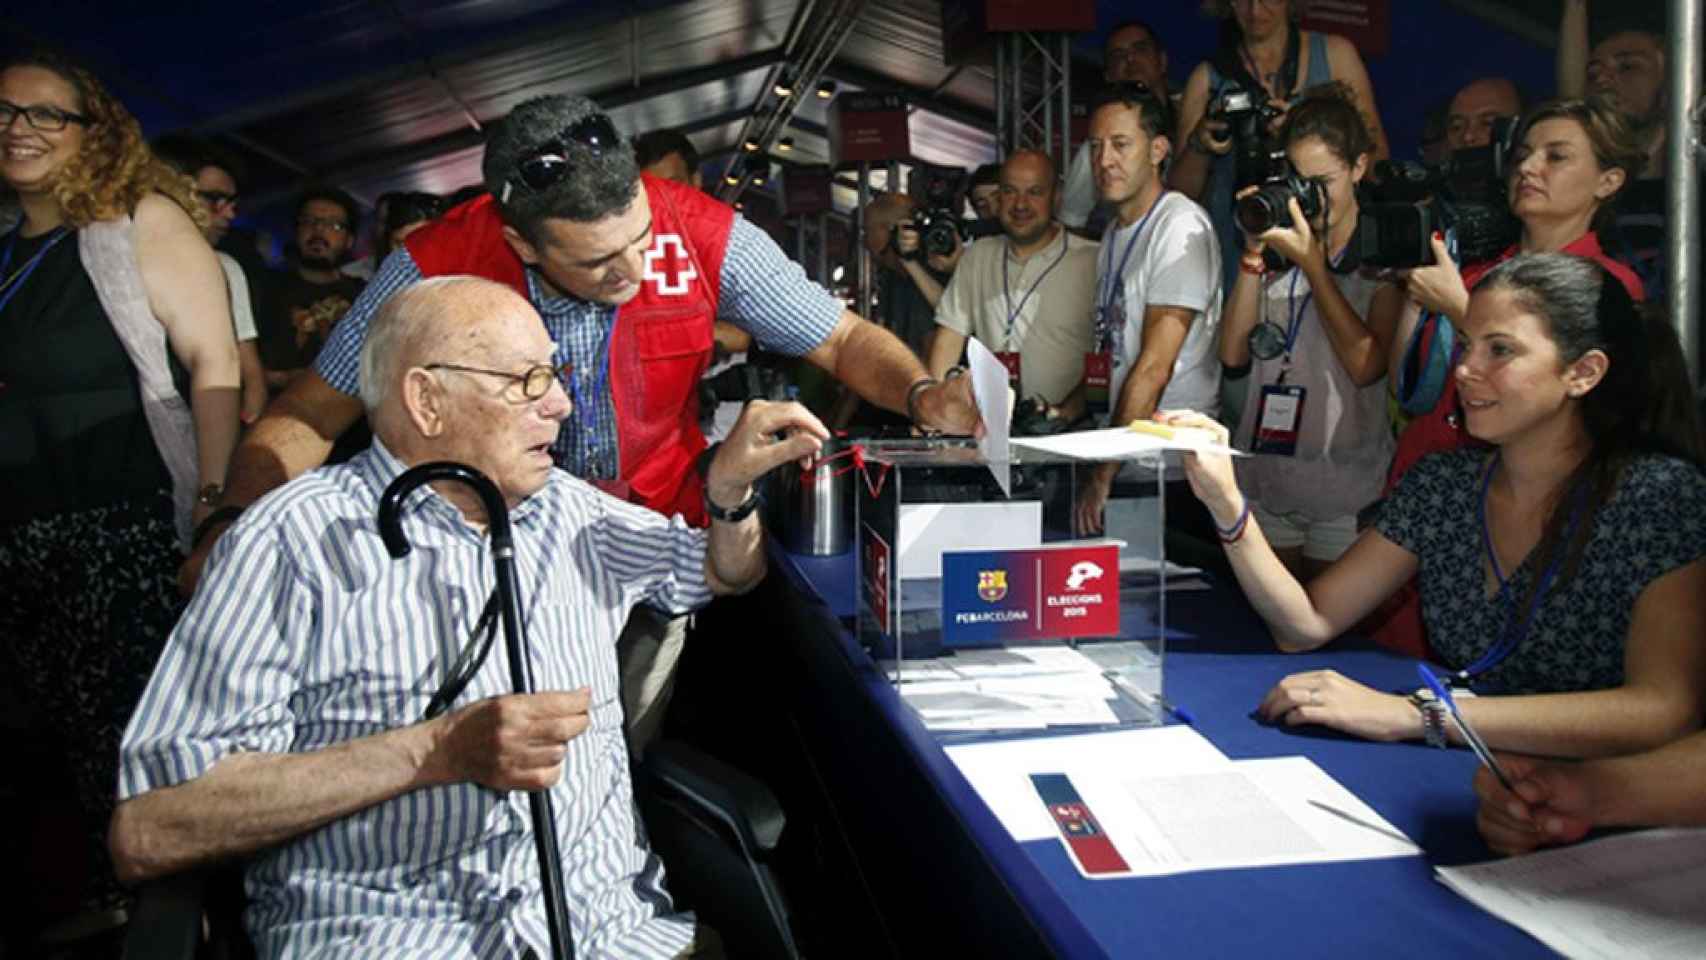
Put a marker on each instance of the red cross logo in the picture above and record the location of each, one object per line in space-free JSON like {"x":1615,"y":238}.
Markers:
{"x":667,"y":263}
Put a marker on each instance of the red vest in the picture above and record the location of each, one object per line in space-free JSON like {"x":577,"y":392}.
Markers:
{"x":659,"y":346}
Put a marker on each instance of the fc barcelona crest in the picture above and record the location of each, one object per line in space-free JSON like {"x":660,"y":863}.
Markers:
{"x":992,"y":585}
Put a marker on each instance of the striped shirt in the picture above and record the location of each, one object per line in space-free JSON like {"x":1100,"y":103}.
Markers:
{"x":307,"y":633}
{"x":762,"y":291}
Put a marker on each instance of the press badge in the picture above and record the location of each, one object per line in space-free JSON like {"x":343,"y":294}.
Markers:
{"x":1277,"y":417}
{"x":1098,"y":375}
{"x":1010,"y":360}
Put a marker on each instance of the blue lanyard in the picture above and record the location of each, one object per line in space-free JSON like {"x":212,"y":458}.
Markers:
{"x":1007,"y":292}
{"x":1114,"y":280}
{"x":1296,"y":309}
{"x":1516,"y":628}
{"x":601,"y":363}
{"x":12,"y":284}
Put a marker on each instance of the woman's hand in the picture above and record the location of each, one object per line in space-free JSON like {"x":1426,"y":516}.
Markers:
{"x":1439,"y":286}
{"x":1552,"y":804}
{"x":1210,"y":474}
{"x":1211,"y":136}
{"x":1296,"y":242}
{"x":1331,"y":699}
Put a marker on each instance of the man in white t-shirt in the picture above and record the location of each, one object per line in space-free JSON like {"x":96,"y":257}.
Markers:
{"x":1132,"y":53}
{"x":1026,"y":295}
{"x":1157,"y":284}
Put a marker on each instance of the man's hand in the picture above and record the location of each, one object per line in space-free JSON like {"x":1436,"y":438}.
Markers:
{"x":950,"y":407}
{"x":766,"y":436}
{"x":1092,"y":498}
{"x":906,"y":240}
{"x":514,"y":742}
{"x":1552,"y":804}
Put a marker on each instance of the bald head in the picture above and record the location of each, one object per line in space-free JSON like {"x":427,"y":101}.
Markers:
{"x":446,"y":317}
{"x":1469,"y":120}
{"x":1027,"y":198}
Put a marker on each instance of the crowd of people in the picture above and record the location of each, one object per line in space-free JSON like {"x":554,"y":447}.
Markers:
{"x":1493,"y":462}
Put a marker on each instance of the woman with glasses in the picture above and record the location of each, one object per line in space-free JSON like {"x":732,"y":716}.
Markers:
{"x":118,"y":412}
{"x":1562,"y":565}
{"x":1265,"y":54}
{"x":1313,"y":361}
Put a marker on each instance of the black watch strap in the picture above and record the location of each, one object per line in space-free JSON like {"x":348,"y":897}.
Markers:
{"x":735,"y":514}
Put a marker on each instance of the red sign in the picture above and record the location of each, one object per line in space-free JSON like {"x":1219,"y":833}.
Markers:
{"x":879,"y":579}
{"x":868,"y":128}
{"x":806,"y":189}
{"x":1365,"y":23}
{"x":1029,"y":16}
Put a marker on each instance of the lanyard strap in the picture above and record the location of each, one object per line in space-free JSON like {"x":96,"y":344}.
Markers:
{"x":1516,"y":627}
{"x":1007,"y":292}
{"x":601,"y":363}
{"x":1114,"y":280}
{"x":15,"y":282}
{"x":1296,"y":309}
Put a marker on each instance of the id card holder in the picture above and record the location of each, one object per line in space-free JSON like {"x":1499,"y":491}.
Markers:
{"x":1098,"y":375}
{"x":1277,"y":417}
{"x":1010,"y":360}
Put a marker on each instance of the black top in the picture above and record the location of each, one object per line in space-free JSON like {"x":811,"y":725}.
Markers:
{"x":297,"y":316}
{"x":1654,"y":523}
{"x":72,"y":432}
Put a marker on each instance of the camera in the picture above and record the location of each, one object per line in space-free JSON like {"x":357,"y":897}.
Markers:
{"x":1268,"y":207}
{"x":1256,"y":156}
{"x":1465,"y":197}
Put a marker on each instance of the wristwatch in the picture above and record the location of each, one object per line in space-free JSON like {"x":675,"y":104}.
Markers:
{"x":736,"y":513}
{"x":209,"y":495}
{"x":1433,"y":717}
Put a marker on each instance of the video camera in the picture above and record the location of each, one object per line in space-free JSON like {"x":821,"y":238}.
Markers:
{"x":1257,"y":157}
{"x":1268,"y":207}
{"x":1466,"y":198}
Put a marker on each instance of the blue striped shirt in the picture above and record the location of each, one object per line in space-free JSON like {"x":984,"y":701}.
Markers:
{"x":762,"y":291}
{"x":307,"y":633}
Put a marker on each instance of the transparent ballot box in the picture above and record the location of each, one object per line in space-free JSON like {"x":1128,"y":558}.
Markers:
{"x":985,"y":610}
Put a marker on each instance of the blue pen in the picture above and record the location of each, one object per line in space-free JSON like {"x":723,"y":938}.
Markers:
{"x":1470,"y":737}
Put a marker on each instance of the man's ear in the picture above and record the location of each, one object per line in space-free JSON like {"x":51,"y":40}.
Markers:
{"x":1159,"y":146}
{"x":1586,"y":373}
{"x":526,"y":251}
{"x":423,"y":399}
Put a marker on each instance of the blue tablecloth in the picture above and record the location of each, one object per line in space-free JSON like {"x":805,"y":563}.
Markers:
{"x":1220,"y":662}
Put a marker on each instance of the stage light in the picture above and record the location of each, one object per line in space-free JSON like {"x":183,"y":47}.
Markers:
{"x":784,"y":84}
{"x":826,"y":89}
{"x":750,"y":145}
{"x":785,"y":144}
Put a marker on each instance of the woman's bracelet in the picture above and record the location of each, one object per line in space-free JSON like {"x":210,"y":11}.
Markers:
{"x":1235,"y":532}
{"x":1254,"y":268}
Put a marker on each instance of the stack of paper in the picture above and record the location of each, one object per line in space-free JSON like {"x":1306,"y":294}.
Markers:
{"x":1012,"y":688}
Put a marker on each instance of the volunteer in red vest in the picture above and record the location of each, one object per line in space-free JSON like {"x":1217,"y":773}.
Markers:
{"x":629,"y":273}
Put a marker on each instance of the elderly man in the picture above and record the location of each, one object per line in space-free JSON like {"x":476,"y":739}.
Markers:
{"x":629,"y":272}
{"x":1027,"y":295}
{"x":285,"y":717}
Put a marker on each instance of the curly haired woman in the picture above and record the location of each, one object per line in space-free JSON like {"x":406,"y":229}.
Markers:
{"x":118,"y":409}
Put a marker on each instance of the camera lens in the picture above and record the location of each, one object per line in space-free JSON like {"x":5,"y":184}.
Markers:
{"x":1264,"y":210}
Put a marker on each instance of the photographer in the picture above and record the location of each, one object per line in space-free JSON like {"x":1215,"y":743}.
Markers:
{"x":1264,"y":54}
{"x":1314,"y":361}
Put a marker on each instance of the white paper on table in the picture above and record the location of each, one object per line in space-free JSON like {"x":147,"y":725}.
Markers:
{"x":1252,"y":813}
{"x":1118,"y":443}
{"x":995,"y":406}
{"x":1012,"y":661}
{"x":1001,"y":772}
{"x":1632,"y":895}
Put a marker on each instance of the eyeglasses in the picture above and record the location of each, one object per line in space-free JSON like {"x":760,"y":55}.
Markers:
{"x":549,"y":161}
{"x":40,"y":116}
{"x":468,"y":662}
{"x":535,"y":382}
{"x":217,"y":198}
{"x":322,"y":223}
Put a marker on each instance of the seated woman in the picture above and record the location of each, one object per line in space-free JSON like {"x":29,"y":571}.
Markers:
{"x":1560,"y":569}
{"x":1314,"y":413}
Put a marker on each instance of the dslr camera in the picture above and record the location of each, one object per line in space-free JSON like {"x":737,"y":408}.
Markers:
{"x":1269,"y":207}
{"x":1466,"y":198}
{"x":942,"y":193}
{"x":1256,"y":156}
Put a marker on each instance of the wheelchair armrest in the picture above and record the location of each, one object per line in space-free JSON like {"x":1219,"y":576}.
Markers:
{"x":166,"y":922}
{"x":744,"y":807}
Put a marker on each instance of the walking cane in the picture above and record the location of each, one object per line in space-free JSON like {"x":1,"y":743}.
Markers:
{"x":515,"y":642}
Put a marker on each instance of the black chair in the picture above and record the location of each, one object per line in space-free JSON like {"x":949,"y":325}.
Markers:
{"x":715,"y":828}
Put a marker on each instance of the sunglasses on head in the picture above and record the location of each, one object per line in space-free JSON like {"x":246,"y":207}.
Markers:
{"x":549,"y":161}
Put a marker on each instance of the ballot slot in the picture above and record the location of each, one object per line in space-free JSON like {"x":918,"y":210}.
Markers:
{"x":986,"y":612}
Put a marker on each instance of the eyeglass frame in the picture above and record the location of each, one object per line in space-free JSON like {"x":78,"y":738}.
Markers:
{"x":548,"y":162}
{"x":66,"y":117}
{"x":316,"y":223}
{"x":556,"y":372}
{"x":217,"y":198}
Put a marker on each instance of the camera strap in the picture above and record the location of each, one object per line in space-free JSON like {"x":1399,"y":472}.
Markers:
{"x":1286,"y":80}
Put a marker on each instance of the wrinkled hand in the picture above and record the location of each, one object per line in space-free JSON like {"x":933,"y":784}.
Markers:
{"x":1093,"y":499}
{"x":1552,"y":804}
{"x":1210,"y":474}
{"x":1439,"y":286}
{"x":950,"y":407}
{"x":753,"y":448}
{"x":1296,"y":242}
{"x":514,"y":742}
{"x":1331,"y":699}
{"x":189,"y":573}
